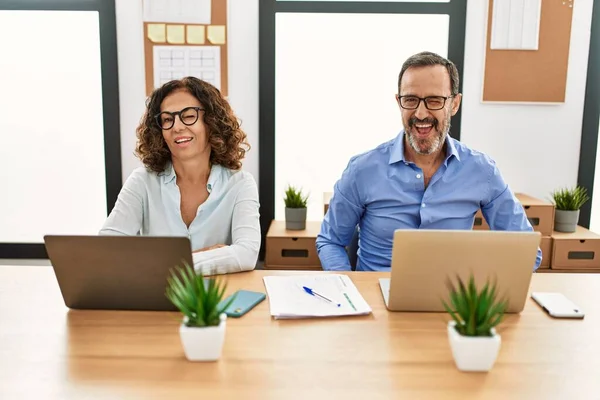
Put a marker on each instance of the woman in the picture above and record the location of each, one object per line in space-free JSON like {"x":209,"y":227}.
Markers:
{"x":191,"y":184}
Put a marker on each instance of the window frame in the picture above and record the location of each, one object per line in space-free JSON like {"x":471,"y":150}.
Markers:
{"x":455,"y":9}
{"x":591,"y":116}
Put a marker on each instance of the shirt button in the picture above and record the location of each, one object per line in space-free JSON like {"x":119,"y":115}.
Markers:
{"x":423,"y":205}
{"x":418,"y":176}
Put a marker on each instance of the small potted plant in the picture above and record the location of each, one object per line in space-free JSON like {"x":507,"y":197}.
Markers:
{"x":475,"y":314}
{"x":568,"y":202}
{"x":202,"y":330}
{"x":295,"y":209}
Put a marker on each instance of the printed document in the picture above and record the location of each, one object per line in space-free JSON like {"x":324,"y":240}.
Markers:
{"x":335,"y":295}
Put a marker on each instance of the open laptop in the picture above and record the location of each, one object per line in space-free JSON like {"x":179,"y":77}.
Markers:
{"x":423,"y":260}
{"x":116,"y":272}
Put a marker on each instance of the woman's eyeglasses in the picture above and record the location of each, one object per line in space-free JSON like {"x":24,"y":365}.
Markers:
{"x":188,"y":116}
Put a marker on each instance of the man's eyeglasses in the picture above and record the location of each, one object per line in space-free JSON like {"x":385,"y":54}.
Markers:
{"x":431,"y":102}
{"x":188,"y":116}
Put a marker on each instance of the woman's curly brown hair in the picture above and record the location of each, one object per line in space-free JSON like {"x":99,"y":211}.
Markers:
{"x":227,"y":140}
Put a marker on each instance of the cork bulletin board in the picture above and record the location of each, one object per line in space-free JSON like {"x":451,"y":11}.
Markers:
{"x":531,"y":76}
{"x":185,"y":38}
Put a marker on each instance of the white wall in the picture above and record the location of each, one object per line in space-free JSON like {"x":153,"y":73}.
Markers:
{"x":243,"y":74}
{"x":132,"y":96}
{"x":536,"y":146}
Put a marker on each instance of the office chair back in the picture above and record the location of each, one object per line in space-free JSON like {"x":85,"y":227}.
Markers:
{"x":352,"y":249}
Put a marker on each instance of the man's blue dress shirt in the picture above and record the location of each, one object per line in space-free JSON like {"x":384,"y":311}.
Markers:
{"x":381,"y":192}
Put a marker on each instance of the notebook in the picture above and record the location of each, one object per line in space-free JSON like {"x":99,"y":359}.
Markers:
{"x":333,"y":295}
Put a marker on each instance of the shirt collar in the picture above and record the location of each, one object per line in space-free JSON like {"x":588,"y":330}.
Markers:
{"x":168,"y":175}
{"x":397,"y":153}
{"x":451,"y":149}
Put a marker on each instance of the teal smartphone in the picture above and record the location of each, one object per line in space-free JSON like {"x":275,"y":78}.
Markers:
{"x":244,"y":301}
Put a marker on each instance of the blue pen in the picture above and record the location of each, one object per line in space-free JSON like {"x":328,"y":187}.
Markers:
{"x":313,"y":293}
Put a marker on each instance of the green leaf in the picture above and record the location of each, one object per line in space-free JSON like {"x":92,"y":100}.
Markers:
{"x":294,"y":198}
{"x":483,"y":305}
{"x":187,"y":291}
{"x":475,"y":311}
{"x":570,"y":199}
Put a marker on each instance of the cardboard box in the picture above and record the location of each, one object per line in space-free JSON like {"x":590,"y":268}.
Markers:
{"x":540,"y":214}
{"x":290,"y":249}
{"x":546,"y":247}
{"x":577,"y":250}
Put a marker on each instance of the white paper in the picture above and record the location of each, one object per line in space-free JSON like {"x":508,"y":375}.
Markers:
{"x":177,"y":11}
{"x":288,"y":299}
{"x":516,"y":24}
{"x":176,"y":62}
{"x":532,"y":11}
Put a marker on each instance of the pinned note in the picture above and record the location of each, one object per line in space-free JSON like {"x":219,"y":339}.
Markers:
{"x":156,"y":33}
{"x":179,"y":11}
{"x":216,"y":34}
{"x":176,"y":34}
{"x":195,"y":34}
{"x":516,"y":25}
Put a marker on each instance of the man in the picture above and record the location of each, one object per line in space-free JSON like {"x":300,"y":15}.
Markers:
{"x":421,"y":179}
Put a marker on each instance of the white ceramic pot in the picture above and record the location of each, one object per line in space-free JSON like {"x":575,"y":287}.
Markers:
{"x":473,"y":353}
{"x":203,"y":344}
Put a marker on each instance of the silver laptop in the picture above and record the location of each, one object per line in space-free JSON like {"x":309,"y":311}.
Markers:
{"x":116,"y":272}
{"x":423,"y":261}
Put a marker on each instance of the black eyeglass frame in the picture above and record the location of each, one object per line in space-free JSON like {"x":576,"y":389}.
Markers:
{"x":424,"y":100}
{"x":175,"y":114}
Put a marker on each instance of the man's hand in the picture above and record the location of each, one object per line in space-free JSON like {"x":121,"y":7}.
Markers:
{"x":216,"y":246}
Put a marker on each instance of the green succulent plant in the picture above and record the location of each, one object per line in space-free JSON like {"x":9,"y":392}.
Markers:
{"x":294,"y":198}
{"x":570,"y":199}
{"x":475,"y":312}
{"x":199,"y":299}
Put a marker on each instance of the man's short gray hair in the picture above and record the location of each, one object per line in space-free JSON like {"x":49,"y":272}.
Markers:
{"x":427,"y":58}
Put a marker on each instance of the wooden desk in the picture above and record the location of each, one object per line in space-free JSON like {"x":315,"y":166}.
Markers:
{"x":49,"y":352}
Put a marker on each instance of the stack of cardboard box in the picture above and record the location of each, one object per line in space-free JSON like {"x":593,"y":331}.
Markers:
{"x":577,"y":251}
{"x":287,"y":249}
{"x":541,"y":216}
{"x":560,"y":251}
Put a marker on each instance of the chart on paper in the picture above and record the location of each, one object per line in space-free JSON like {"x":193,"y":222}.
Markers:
{"x":176,"y":62}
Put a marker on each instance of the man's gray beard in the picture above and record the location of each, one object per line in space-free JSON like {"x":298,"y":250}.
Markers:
{"x":435,"y":146}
